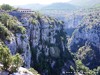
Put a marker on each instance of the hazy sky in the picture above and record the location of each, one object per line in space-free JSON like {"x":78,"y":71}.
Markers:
{"x":22,"y":2}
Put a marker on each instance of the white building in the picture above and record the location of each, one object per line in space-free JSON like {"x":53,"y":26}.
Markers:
{"x":25,"y":10}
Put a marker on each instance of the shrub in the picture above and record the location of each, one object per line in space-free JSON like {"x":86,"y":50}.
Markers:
{"x":16,"y":62}
{"x":6,"y":7}
{"x":34,"y":21}
{"x":4,"y":32}
{"x":34,"y":71}
{"x":5,"y":57}
{"x":4,"y":18}
{"x":20,"y":29}
{"x":11,"y":23}
{"x":10,"y":63}
{"x":82,"y":68}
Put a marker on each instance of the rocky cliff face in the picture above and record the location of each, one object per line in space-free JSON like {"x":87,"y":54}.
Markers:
{"x":71,"y":20}
{"x":88,"y":34}
{"x":41,"y":42}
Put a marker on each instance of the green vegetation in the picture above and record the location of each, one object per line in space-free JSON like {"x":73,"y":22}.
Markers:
{"x":5,"y":57}
{"x":4,"y":33}
{"x":6,"y":7}
{"x":39,"y":15}
{"x":83,"y":69}
{"x":83,"y":55}
{"x":56,"y":53}
{"x":34,"y":71}
{"x":11,"y":23}
{"x":20,"y":29}
{"x":16,"y":63}
{"x":4,"y":18}
{"x":10,"y":63}
{"x":83,"y":52}
{"x":83,"y":45}
{"x":34,"y":21}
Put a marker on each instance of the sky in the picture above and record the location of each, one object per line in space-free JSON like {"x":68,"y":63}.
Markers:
{"x":23,"y":2}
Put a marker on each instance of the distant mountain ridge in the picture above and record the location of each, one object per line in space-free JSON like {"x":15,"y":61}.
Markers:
{"x":60,"y":6}
{"x":56,"y":6}
{"x":72,"y":5}
{"x":84,"y":3}
{"x":31,"y":6}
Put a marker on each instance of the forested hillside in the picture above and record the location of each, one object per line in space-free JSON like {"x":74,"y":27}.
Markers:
{"x":85,"y":42}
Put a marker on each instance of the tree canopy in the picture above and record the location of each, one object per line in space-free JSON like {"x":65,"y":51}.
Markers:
{"x":6,"y":7}
{"x":10,"y":63}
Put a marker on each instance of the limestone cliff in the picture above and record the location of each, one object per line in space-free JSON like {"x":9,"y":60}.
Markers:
{"x":40,"y":40}
{"x":86,"y":39}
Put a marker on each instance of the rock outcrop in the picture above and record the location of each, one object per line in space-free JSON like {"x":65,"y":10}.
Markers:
{"x":88,"y":35}
{"x":41,"y":42}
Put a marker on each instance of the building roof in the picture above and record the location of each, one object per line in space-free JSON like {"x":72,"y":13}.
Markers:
{"x":25,"y":9}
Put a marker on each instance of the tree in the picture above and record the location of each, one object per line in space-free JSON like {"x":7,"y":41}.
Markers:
{"x":4,"y":18}
{"x":4,"y":33}
{"x":6,"y":7}
{"x":11,"y":23}
{"x":10,"y":63}
{"x":5,"y":57}
{"x":82,"y":68}
{"x":16,"y":62}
